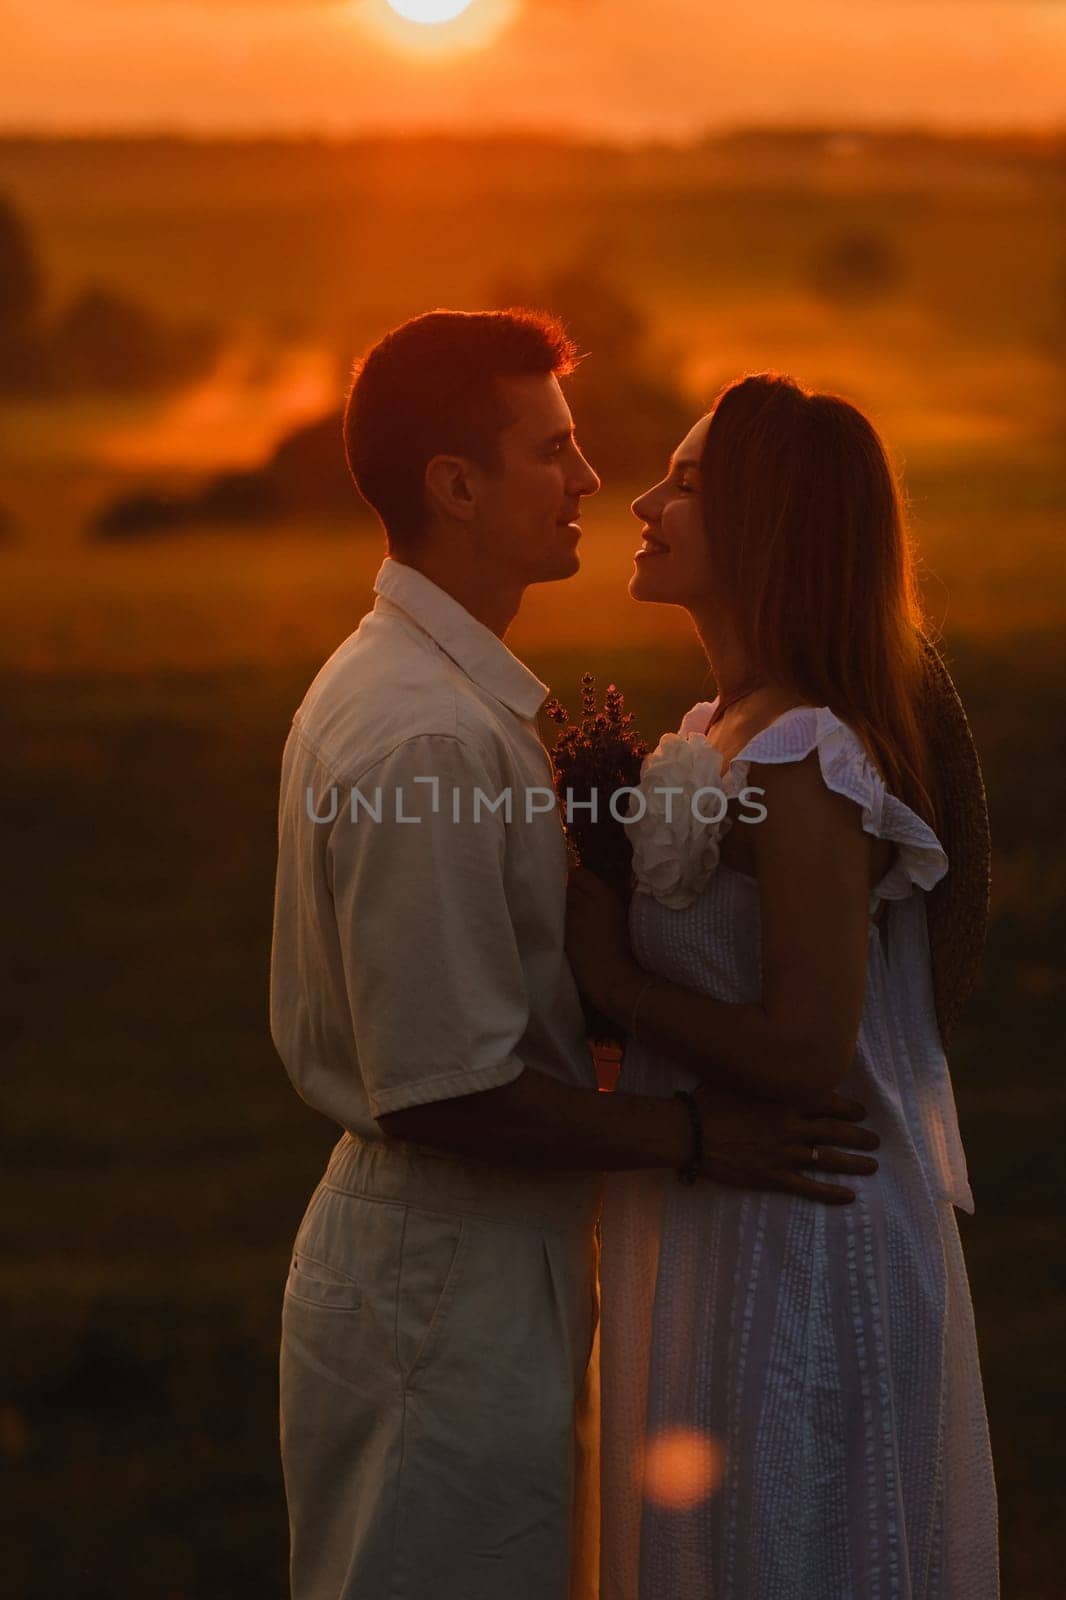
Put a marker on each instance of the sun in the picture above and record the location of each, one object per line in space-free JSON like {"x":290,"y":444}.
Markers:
{"x":428,"y":10}
{"x":436,"y":29}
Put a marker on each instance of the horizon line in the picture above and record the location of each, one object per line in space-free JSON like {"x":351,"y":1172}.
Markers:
{"x":509,"y":133}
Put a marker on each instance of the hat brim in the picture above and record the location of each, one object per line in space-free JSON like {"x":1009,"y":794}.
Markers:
{"x":958,"y":906}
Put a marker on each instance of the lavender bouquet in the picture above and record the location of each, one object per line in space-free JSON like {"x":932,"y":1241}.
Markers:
{"x":593,"y":759}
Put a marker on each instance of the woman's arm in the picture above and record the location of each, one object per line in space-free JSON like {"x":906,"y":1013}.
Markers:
{"x":812,"y":861}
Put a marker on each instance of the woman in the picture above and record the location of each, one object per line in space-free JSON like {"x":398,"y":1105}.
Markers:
{"x":792,"y":1405}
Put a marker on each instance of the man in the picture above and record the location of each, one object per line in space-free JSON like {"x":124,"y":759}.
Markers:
{"x":440,"y":1308}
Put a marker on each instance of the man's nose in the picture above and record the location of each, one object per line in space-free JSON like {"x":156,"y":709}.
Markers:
{"x":590,"y":480}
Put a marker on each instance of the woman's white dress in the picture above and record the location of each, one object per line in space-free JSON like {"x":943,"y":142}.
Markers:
{"x":792,"y":1402}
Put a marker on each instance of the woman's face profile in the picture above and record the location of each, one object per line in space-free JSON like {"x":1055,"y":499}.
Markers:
{"x":671,"y":567}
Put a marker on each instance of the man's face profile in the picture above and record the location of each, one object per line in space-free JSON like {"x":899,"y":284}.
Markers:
{"x":529,"y":508}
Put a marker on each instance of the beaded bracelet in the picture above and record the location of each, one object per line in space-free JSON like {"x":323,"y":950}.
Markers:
{"x":689,"y":1174}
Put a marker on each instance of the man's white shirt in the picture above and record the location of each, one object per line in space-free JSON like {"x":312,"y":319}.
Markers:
{"x":419,"y":911}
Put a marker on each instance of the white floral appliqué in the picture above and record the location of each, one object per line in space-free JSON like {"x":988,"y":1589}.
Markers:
{"x":676,"y":840}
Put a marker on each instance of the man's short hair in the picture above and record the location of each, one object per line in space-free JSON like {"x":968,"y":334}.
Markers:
{"x":430,"y":388}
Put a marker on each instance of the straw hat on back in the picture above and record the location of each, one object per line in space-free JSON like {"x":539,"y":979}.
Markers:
{"x":957,"y":908}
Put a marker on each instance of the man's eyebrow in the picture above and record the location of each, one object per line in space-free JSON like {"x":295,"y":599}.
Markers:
{"x":562,"y":436}
{"x":683,"y":465}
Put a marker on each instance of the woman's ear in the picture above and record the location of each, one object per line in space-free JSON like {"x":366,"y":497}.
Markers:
{"x":449,"y":488}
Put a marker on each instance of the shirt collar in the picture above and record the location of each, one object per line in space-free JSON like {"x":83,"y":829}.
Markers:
{"x":474,"y":648}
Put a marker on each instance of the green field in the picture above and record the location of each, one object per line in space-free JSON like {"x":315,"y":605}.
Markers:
{"x":156,"y":1161}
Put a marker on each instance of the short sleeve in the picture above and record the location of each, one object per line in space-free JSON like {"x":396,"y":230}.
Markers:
{"x":431,"y":964}
{"x":920,"y":860}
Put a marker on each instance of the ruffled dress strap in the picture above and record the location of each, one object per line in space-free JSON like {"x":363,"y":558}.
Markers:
{"x":920,"y":860}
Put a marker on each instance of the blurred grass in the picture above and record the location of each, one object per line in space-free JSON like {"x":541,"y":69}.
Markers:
{"x":976,"y":223}
{"x":988,"y":524}
{"x":158,"y":1161}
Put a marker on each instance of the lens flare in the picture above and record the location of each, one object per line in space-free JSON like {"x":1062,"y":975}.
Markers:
{"x":429,"y":10}
{"x":681,"y":1468}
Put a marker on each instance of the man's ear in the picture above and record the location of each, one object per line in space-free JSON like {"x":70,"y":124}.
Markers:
{"x":450,"y":488}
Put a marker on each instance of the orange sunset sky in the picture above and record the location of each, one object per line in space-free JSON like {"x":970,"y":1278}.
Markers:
{"x":619,"y":68}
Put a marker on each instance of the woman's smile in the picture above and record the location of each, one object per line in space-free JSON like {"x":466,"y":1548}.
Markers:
{"x":652,"y":546}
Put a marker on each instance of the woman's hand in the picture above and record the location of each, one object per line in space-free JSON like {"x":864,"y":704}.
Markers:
{"x":597,"y":943}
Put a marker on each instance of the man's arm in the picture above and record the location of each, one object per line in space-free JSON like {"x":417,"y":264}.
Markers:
{"x":439,"y":1007}
{"x":536,"y":1121}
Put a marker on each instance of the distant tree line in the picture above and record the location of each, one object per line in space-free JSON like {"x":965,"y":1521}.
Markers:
{"x":629,"y":416}
{"x":100,"y":341}
{"x":305,"y":474}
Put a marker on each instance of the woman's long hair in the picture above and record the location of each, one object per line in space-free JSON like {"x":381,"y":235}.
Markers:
{"x":811,"y":558}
